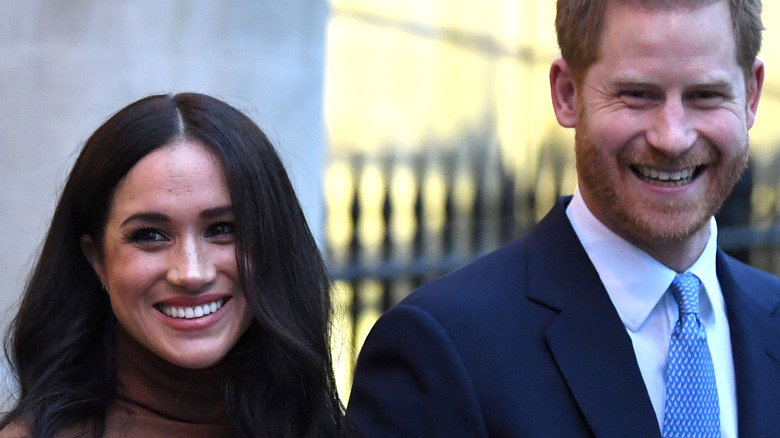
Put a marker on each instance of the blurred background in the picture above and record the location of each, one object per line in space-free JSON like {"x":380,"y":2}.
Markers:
{"x":418,"y":134}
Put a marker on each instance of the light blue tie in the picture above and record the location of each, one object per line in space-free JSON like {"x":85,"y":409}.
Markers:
{"x":691,"y":409}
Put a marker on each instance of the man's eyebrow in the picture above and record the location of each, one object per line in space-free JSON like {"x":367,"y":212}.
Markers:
{"x":630,"y":79}
{"x":716,"y":81}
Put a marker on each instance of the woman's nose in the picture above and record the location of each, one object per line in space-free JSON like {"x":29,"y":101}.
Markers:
{"x":190,"y":266}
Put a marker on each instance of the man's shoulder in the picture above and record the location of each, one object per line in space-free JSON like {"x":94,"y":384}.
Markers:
{"x":762,"y":286}
{"x":491,"y":278}
{"x":503,"y":277}
{"x":742,"y":271}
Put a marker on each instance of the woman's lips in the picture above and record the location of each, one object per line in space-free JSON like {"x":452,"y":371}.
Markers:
{"x":190,"y":312}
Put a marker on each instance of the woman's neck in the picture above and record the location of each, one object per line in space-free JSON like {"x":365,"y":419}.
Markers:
{"x":149,"y":383}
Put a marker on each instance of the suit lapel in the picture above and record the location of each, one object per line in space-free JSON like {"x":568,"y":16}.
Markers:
{"x":587,"y":339}
{"x":755,"y":342}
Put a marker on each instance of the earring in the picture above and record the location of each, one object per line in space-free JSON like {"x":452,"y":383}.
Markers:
{"x":105,"y":287}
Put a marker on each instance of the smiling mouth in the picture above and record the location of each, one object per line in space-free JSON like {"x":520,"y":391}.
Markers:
{"x":191,"y":312}
{"x":667,"y":179}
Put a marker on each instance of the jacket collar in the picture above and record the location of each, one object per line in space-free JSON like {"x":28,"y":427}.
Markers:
{"x":587,"y":339}
{"x":595,"y":354}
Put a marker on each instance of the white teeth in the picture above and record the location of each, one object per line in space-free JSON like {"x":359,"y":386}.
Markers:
{"x":670,"y":179}
{"x":191,"y":312}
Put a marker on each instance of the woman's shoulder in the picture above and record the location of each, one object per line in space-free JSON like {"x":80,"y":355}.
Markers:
{"x":19,"y":429}
{"x":16,"y":429}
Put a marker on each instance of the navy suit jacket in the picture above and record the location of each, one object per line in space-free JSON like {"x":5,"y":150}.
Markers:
{"x":525,"y":342}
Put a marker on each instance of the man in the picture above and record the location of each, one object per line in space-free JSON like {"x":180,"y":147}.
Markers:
{"x":578,"y":328}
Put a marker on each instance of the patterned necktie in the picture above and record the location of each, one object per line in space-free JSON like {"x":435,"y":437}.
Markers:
{"x":691,"y":393}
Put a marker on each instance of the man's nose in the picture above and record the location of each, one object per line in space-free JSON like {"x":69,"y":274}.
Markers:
{"x":190,"y":267}
{"x":671,"y":131}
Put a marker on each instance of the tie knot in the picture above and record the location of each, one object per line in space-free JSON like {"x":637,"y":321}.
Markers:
{"x":685,"y":289}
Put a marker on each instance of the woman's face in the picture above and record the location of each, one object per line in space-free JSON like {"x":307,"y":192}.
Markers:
{"x":168,"y":257}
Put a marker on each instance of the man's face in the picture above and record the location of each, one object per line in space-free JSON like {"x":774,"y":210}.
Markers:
{"x":662,"y":122}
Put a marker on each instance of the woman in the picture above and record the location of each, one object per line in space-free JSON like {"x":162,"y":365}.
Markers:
{"x":179,"y":291}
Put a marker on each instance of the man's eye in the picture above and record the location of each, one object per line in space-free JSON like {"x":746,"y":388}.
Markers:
{"x":636,"y":94}
{"x":637,"y":98}
{"x":706,"y":99}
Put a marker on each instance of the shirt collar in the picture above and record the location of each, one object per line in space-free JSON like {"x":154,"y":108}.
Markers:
{"x":634,"y":280}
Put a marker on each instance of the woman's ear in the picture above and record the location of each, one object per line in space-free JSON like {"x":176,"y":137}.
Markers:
{"x":94,"y":257}
{"x":564,"y":93}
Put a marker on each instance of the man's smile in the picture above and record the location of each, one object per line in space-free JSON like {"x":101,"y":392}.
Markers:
{"x":664,"y":177}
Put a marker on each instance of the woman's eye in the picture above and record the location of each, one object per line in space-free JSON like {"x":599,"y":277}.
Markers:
{"x":223,"y":230}
{"x":147,"y":236}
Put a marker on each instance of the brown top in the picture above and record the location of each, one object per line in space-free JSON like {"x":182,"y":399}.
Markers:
{"x":157,"y":399}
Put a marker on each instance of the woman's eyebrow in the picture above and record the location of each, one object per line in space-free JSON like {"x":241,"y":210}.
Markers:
{"x":216,"y":211}
{"x":146,"y":217}
{"x":151,"y":216}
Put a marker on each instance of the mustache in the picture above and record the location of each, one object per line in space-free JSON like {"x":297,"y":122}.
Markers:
{"x":696,"y":156}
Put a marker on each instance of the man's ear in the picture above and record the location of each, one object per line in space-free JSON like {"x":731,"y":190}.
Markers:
{"x":94,"y":256}
{"x":755,"y":85}
{"x":564,"y":93}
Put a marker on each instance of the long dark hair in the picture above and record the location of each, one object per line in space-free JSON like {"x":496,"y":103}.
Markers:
{"x":60,"y":344}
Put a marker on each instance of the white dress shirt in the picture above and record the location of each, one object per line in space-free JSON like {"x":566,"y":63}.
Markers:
{"x":637,"y":285}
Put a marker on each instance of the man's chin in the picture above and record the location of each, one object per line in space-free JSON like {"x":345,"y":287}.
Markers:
{"x":667,"y":231}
